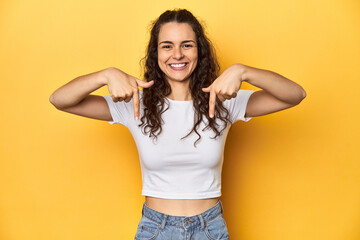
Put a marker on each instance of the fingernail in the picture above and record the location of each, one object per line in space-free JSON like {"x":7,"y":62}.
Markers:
{"x":136,"y":118}
{"x":211,"y":115}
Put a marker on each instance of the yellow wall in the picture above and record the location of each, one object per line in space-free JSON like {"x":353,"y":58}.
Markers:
{"x":291,"y":175}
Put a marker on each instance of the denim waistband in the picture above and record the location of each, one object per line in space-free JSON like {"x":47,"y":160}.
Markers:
{"x":183,"y":221}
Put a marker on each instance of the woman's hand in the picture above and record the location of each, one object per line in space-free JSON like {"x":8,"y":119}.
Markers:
{"x":123,"y":86}
{"x":225,"y":86}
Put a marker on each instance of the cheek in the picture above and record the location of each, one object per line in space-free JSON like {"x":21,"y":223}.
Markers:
{"x":162,"y":58}
{"x":194,"y":56}
{"x":161,"y":63}
{"x":195,"y":59}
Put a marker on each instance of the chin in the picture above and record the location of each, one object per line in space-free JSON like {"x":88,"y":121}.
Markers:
{"x":178,"y":79}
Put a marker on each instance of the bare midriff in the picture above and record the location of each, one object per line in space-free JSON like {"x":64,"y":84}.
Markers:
{"x":180,"y":207}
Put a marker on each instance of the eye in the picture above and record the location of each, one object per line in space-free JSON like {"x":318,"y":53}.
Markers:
{"x":166,"y":46}
{"x":188,"y":45}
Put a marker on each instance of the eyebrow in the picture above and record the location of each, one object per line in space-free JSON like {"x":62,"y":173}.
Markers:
{"x":181,"y":42}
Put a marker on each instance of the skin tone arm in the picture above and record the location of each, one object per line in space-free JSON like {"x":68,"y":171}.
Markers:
{"x":74,"y":96}
{"x":278,"y":92}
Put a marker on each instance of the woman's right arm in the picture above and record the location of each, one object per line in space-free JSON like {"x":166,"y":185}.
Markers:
{"x":74,"y":97}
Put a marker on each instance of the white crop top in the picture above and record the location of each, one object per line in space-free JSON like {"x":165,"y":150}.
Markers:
{"x":172,"y":168}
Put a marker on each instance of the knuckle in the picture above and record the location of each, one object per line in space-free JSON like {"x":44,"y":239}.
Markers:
{"x":117,"y":94}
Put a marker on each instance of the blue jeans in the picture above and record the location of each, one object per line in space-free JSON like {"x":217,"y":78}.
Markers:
{"x":208,"y":225}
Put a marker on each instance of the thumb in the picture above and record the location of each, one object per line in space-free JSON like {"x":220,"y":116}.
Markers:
{"x":144,"y":84}
{"x":206,"y":89}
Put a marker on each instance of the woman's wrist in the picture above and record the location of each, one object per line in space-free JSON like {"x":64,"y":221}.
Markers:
{"x":108,"y":73}
{"x":240,"y":68}
{"x":104,"y":75}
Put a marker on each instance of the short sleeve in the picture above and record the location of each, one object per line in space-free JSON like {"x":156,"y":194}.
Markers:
{"x":120,"y":111}
{"x":237,"y":106}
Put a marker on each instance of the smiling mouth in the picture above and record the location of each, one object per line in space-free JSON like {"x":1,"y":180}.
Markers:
{"x":178,"y":66}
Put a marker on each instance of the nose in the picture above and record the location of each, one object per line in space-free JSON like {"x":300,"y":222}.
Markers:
{"x":178,"y":54}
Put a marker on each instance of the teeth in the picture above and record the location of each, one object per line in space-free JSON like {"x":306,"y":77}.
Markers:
{"x":178,"y":65}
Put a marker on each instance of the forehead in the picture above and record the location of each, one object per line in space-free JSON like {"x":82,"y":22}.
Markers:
{"x":176,"y":32}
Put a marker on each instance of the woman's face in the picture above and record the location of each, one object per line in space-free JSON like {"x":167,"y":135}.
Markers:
{"x":177,"y":51}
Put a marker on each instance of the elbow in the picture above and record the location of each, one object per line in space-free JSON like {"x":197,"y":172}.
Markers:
{"x":53,"y":102}
{"x":302,"y":95}
{"x":51,"y":99}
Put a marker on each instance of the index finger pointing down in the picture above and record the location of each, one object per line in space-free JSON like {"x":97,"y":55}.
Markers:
{"x":136,"y":104}
{"x":212,"y":101}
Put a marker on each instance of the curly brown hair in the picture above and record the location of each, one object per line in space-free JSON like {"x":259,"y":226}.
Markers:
{"x":206,"y":71}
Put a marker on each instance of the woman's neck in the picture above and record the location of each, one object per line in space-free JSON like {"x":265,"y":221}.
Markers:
{"x":180,"y":91}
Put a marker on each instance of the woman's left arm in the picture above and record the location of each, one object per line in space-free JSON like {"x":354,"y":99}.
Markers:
{"x":278,"y":93}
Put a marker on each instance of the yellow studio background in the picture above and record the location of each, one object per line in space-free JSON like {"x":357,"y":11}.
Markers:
{"x":290,"y":175}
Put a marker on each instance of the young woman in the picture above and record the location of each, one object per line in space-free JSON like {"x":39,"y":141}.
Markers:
{"x":183,"y":93}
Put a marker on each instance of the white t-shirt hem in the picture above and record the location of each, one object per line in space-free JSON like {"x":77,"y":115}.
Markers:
{"x":169,"y":195}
